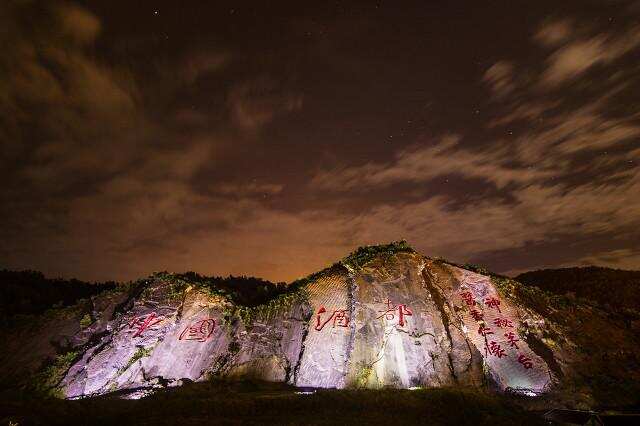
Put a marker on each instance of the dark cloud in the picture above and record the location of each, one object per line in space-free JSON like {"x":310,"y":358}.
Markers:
{"x":134,"y":141}
{"x":554,"y":32}
{"x":77,"y":23}
{"x":256,"y":103}
{"x":500,"y":78}
{"x":544,"y":144}
{"x":201,"y":64}
{"x":577,"y":47}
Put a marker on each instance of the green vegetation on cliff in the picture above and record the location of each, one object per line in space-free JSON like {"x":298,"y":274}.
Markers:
{"x":363,"y":255}
{"x":47,"y":379}
{"x":254,"y":297}
{"x":242,"y":290}
{"x":540,"y":300}
{"x":137,"y":355}
{"x":248,"y":297}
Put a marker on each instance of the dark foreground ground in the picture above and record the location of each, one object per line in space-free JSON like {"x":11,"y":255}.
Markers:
{"x":253,"y":403}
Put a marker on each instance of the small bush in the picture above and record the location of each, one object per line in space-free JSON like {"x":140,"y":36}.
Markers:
{"x":47,"y":380}
{"x":86,"y":321}
{"x":357,"y":259}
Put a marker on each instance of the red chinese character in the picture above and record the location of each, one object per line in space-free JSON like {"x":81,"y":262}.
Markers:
{"x":199,"y":331}
{"x":503,"y":322}
{"x":467,"y":296}
{"x":512,"y":338}
{"x":144,"y":322}
{"x":525,"y":361}
{"x":483,"y":331}
{"x":319,"y":323}
{"x":492,"y":302}
{"x":477,"y":315}
{"x":389,"y":314}
{"x":340,"y":318}
{"x":495,"y":349}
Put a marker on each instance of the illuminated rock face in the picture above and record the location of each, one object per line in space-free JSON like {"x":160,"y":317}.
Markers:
{"x":403,"y":333}
{"x":162,"y":340}
{"x":329,"y":340}
{"x":495,"y":328}
{"x":411,"y":323}
{"x":143,"y":346}
{"x":268,"y":348}
{"x":401,"y":321}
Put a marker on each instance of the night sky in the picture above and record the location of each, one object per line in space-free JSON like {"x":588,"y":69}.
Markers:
{"x":272,"y":138}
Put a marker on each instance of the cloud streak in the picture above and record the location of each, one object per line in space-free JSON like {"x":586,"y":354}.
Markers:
{"x":579,"y":54}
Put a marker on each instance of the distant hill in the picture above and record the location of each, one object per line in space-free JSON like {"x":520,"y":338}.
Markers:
{"x":611,"y":288}
{"x":29,"y":292}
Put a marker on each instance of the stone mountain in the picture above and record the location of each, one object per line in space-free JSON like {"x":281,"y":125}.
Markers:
{"x":385,"y":316}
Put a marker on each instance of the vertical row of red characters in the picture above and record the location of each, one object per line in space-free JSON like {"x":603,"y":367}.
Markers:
{"x":491,"y":346}
{"x":199,"y":331}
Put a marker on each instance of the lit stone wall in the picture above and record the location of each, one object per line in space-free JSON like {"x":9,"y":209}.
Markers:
{"x":197,"y":340}
{"x":398,"y":330}
{"x":119,"y":358}
{"x":268,"y":348}
{"x":382,"y":327}
{"x":329,"y":338}
{"x":497,"y":328}
{"x":401,"y":321}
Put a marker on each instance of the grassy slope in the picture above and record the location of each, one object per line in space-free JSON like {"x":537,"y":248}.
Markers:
{"x":263,"y":403}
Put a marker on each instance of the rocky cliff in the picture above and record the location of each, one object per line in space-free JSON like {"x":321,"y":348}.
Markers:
{"x":385,"y":316}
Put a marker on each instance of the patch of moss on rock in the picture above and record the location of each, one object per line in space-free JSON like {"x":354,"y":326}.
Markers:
{"x":86,"y":321}
{"x":274,"y":306}
{"x":362,"y":376}
{"x":47,"y":380}
{"x":137,"y":355}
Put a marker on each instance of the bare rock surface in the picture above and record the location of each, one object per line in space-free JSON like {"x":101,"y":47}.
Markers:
{"x":400,"y":340}
{"x":395,"y":319}
{"x":330,"y":332}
